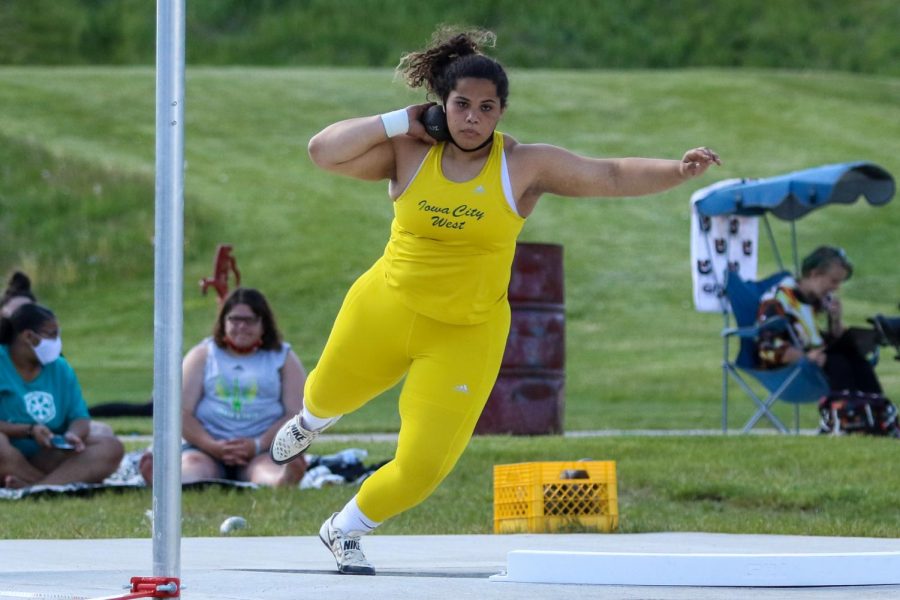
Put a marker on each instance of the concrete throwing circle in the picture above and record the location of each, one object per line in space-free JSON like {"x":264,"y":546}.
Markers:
{"x":703,"y":570}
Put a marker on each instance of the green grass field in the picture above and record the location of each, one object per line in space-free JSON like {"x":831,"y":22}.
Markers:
{"x":76,"y":212}
{"x":740,"y":484}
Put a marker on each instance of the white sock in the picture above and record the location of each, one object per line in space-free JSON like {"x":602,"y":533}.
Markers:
{"x":351,"y":518}
{"x":311,"y":422}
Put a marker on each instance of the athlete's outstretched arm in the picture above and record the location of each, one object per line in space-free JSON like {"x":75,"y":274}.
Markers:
{"x":557,"y":171}
{"x":360,"y":147}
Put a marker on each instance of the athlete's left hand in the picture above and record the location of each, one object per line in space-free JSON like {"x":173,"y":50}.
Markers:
{"x":696,"y":161}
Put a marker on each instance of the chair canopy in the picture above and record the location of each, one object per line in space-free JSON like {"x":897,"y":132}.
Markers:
{"x":794,"y":195}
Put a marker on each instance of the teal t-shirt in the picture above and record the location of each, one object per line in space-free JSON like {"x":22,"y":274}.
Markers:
{"x":53,"y":398}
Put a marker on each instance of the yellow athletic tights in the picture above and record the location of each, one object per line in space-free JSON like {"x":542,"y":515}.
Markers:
{"x":450,"y":370}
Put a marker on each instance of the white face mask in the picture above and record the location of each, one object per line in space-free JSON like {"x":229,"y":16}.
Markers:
{"x":48,"y":350}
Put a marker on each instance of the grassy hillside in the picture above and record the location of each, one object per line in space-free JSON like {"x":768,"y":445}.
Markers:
{"x":855,"y":36}
{"x":76,"y":211}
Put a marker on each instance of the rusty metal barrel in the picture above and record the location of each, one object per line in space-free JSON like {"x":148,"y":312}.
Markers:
{"x":528,"y":397}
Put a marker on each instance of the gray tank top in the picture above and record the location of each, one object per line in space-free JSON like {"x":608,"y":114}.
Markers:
{"x":241,"y":395}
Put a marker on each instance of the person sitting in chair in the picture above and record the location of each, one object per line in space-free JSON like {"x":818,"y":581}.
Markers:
{"x":855,"y":401}
{"x":800,"y":302}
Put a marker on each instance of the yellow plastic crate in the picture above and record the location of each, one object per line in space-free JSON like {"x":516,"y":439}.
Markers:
{"x":563,"y":497}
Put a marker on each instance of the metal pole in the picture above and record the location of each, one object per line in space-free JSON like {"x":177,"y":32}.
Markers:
{"x":167,"y":297}
{"x":773,"y":243}
{"x":795,"y":250}
{"x":725,"y":357}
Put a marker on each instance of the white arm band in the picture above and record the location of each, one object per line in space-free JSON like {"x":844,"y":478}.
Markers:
{"x":257,"y":443}
{"x":395,"y":122}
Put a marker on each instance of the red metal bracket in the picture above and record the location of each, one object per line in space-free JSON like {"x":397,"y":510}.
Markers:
{"x":150,"y":587}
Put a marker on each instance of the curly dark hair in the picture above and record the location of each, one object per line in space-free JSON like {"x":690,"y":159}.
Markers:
{"x":453,"y":54}
{"x":271,"y":337}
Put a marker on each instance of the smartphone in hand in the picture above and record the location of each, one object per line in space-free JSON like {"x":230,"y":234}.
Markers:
{"x":61,"y":443}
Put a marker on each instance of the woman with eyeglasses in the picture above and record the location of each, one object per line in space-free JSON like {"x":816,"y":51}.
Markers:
{"x":45,"y":430}
{"x":239,"y":386}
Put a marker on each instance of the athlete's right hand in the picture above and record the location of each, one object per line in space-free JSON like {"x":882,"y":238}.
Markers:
{"x":416,"y":128}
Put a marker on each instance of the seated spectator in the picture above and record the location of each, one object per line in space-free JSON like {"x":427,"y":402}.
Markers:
{"x":45,"y":433}
{"x":801,"y":301}
{"x":17,"y":293}
{"x":239,"y":387}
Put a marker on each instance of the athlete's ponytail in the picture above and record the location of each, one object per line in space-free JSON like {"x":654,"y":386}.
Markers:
{"x":452,"y":55}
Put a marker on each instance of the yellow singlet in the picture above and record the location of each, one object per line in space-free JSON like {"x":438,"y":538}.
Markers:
{"x":452,"y":244}
{"x":431,"y":312}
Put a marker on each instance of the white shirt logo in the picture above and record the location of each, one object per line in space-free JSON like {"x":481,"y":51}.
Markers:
{"x":479,"y":189}
{"x":40,"y":406}
{"x":462,"y":388}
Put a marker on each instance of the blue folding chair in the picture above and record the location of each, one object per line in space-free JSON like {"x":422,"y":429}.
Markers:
{"x":796,"y":383}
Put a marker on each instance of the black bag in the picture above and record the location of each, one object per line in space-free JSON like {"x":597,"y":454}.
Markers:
{"x":857,"y":412}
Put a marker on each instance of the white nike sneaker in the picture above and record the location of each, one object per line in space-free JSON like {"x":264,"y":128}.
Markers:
{"x":293,"y":439}
{"x":345,"y":547}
